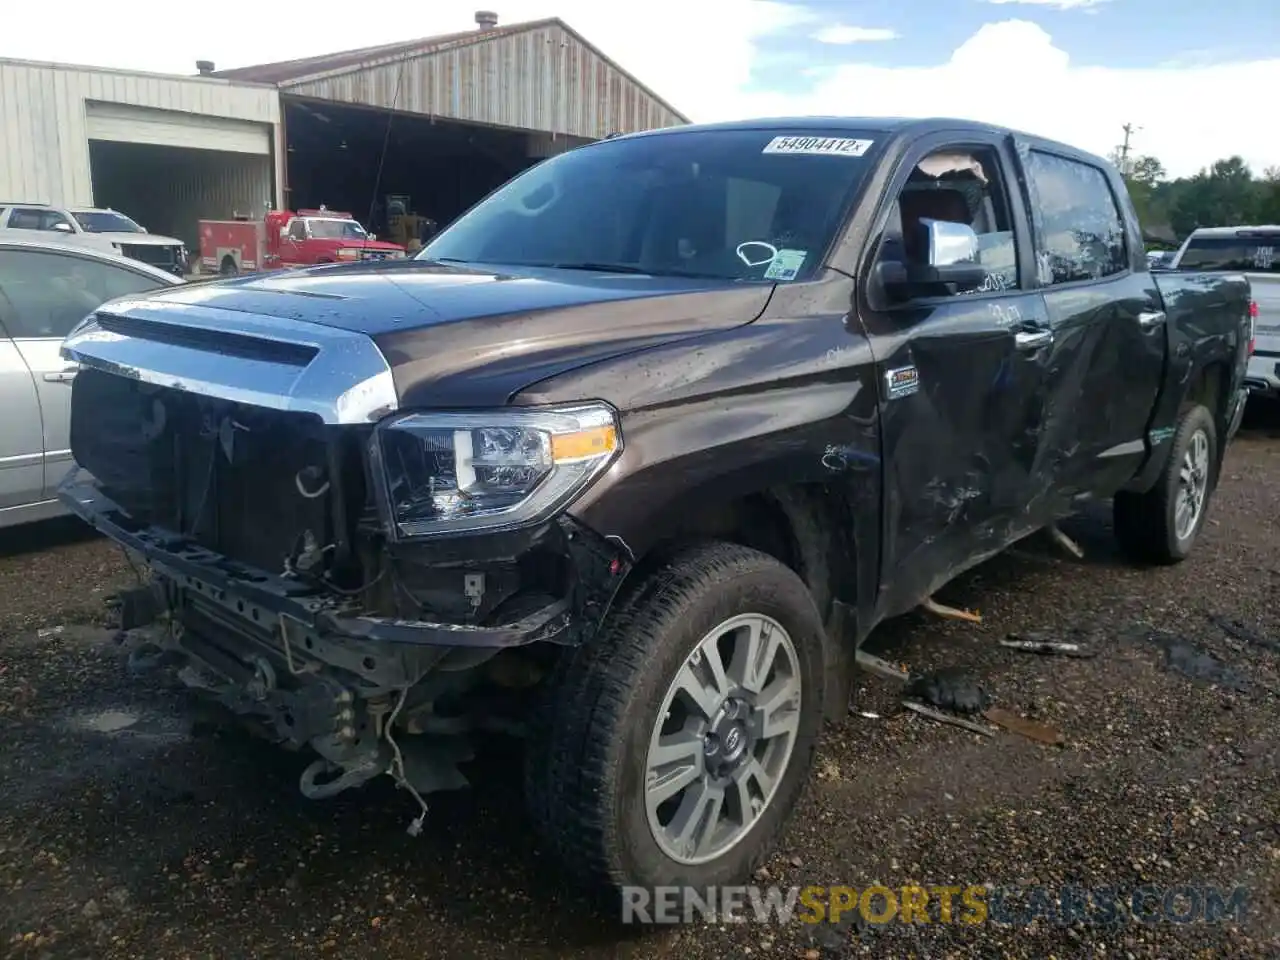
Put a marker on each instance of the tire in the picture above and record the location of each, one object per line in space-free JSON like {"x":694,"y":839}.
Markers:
{"x":585,"y":770}
{"x":228,"y":267}
{"x":1147,"y":524}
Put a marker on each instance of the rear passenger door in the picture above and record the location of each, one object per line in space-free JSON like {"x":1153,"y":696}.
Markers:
{"x":1107,"y":320}
{"x":43,"y":294}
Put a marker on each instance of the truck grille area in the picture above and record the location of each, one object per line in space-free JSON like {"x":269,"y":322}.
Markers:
{"x":244,"y":481}
{"x":153,"y":254}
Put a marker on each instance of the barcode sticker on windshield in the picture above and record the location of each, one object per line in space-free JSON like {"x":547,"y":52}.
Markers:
{"x":819,"y":146}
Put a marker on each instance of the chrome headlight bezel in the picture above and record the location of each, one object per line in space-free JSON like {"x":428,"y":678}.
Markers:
{"x":570,"y":470}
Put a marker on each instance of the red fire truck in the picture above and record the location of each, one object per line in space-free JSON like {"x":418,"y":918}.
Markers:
{"x":286,"y":239}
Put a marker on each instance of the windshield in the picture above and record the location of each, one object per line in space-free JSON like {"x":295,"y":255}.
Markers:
{"x":106,"y":222}
{"x":731,"y":204}
{"x":336,"y":230}
{"x":1244,"y":253}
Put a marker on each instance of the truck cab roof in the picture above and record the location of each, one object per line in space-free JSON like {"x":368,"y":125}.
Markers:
{"x":903,"y":128}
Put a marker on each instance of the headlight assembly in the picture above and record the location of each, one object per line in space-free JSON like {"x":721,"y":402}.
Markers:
{"x":451,"y":473}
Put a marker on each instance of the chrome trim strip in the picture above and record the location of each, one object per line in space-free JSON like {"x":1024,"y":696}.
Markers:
{"x":22,"y":460}
{"x":348,"y":381}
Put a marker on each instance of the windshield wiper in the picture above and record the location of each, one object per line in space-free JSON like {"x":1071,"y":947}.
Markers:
{"x":600,"y":267}
{"x":629,"y":269}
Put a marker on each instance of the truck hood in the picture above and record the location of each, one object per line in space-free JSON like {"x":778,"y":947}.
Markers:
{"x":460,"y":336}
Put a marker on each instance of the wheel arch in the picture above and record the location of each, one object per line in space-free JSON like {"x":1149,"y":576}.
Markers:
{"x":1210,"y":387}
{"x":809,"y":528}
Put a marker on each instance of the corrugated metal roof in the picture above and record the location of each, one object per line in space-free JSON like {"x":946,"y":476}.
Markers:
{"x":290,"y":74}
{"x":284,"y":71}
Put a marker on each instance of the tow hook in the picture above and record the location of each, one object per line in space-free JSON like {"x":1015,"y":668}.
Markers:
{"x":352,"y":776}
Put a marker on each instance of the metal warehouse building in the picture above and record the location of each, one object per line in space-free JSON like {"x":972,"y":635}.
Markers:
{"x":165,"y":150}
{"x":446,"y":119}
{"x":436,"y":122}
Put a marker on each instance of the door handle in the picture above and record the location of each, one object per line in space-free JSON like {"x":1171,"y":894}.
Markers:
{"x":1032,"y":339}
{"x":1149,"y":318}
{"x":65,"y":375}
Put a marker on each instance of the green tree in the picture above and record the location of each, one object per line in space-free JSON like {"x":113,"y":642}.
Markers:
{"x":1220,"y":195}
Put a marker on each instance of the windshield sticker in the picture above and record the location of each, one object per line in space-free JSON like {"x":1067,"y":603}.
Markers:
{"x":819,"y":146}
{"x":786,"y":264}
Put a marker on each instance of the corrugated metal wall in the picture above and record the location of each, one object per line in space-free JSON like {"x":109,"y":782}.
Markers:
{"x":44,"y":146}
{"x":544,"y":79}
{"x":168,"y":190}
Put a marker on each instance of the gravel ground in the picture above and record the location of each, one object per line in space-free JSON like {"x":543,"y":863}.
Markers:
{"x":131,"y":827}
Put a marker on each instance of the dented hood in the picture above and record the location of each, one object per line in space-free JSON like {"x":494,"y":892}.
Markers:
{"x":458,"y":336}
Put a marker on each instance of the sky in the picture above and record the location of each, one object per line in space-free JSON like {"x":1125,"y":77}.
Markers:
{"x":1197,"y":81}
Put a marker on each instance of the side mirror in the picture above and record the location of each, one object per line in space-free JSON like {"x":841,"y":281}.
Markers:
{"x":949,"y":243}
{"x":62,"y":227}
{"x":284,"y":233}
{"x":953,"y":253}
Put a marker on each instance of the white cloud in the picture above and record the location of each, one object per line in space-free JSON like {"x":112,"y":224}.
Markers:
{"x":1056,"y":4}
{"x":1010,"y":73}
{"x":700,"y":56}
{"x":841,"y":34}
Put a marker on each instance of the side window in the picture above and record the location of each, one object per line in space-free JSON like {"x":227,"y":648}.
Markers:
{"x":53,"y":219}
{"x":297,"y":230}
{"x":24,"y":218}
{"x":963,"y":186}
{"x":49,"y":293}
{"x":1080,"y":232}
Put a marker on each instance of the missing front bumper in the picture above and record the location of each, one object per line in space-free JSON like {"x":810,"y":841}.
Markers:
{"x":225,"y":581}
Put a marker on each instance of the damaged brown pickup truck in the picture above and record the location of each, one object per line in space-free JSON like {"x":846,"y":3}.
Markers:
{"x":633,"y":455}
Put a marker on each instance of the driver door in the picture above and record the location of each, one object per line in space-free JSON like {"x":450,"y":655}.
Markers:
{"x":295,"y":236}
{"x":962,"y":367}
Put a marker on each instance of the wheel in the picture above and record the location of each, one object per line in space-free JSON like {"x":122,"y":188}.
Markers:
{"x":673,"y":746}
{"x":1162,"y":524}
{"x":228,"y":267}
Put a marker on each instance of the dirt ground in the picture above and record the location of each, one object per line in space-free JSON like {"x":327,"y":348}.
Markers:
{"x":131,"y":827}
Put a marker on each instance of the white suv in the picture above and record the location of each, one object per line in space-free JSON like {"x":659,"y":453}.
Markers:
{"x":103,"y":229}
{"x":1255,"y":252}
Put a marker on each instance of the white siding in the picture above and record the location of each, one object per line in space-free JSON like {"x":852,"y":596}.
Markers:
{"x":44,"y":136}
{"x":123,"y":123}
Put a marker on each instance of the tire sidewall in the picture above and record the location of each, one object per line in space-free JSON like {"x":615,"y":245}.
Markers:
{"x":775,"y":593}
{"x":1197,"y":419}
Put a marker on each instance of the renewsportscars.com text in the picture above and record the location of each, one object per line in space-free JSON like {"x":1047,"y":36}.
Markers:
{"x":943,"y":903}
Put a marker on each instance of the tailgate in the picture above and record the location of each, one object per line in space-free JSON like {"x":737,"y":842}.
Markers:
{"x":1266,"y":294}
{"x":1264,"y":365}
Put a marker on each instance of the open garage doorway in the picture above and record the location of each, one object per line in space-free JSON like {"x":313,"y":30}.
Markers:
{"x":169,"y":189}
{"x":437,"y":167}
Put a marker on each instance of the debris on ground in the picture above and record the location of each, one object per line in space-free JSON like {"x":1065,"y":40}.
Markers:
{"x":949,"y":689}
{"x":1183,"y":656}
{"x":1062,"y":540}
{"x":1023,"y":727}
{"x":881,"y":668}
{"x":1043,"y":645}
{"x":1238,"y":630}
{"x":941,"y":717}
{"x":951,"y":613}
